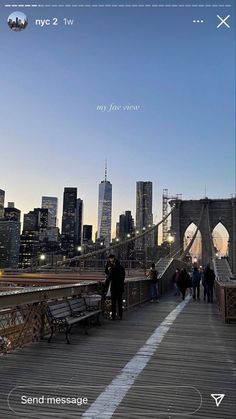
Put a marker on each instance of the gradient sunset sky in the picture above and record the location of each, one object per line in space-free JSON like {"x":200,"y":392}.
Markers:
{"x":180,"y":74}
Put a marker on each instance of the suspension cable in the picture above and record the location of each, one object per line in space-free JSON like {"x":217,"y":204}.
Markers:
{"x":117,"y":245}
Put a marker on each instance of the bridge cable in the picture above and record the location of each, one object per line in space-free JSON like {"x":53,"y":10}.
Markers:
{"x":115,"y":246}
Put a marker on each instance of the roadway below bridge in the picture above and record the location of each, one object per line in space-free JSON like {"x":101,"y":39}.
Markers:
{"x":58,"y":278}
{"x":161,"y":361}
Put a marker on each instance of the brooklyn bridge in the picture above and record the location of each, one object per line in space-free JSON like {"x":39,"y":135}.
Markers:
{"x":165,"y":360}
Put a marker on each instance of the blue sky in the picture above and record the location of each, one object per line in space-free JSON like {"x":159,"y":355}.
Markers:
{"x":180,"y":74}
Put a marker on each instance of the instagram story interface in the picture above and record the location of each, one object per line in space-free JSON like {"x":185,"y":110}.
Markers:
{"x":118,"y":209}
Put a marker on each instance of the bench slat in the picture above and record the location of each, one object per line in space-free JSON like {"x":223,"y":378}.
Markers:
{"x":77,"y":305}
{"x":59,"y":310}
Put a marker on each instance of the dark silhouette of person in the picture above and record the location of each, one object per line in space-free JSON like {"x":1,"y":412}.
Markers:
{"x":175,"y":280}
{"x":202,"y":271}
{"x":109,"y":265}
{"x":153,"y":275}
{"x":196,"y":279}
{"x":209,"y":279}
{"x":183,"y":282}
{"x":106,"y":286}
{"x":115,"y":278}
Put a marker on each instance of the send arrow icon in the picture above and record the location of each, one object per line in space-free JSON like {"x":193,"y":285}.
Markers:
{"x":218,"y":398}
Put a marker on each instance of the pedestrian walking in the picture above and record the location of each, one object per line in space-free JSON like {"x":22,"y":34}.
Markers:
{"x":196,"y":279}
{"x":204,"y":285}
{"x":209,"y":278}
{"x":115,"y":280}
{"x":153,"y":276}
{"x":175,"y":280}
{"x":183,"y":283}
{"x":190,"y":284}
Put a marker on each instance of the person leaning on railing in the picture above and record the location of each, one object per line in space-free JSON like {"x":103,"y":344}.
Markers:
{"x":114,"y":285}
{"x":152,"y":274}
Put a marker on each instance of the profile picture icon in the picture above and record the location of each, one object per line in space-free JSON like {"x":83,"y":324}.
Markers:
{"x":17,"y":21}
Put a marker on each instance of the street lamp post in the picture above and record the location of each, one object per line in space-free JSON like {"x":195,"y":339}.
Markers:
{"x":170,"y":240}
{"x":79,"y":250}
{"x":42,"y":257}
{"x":127,"y":251}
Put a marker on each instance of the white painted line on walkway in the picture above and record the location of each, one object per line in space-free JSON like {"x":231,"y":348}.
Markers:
{"x":108,"y":401}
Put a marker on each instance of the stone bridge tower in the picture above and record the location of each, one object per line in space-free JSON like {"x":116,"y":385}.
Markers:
{"x":213,"y":211}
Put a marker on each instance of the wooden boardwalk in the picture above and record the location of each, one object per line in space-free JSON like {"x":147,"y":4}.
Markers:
{"x":195,"y":358}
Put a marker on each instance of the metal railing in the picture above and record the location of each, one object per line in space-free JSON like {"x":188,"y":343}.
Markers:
{"x":226,"y":299}
{"x":23,"y":317}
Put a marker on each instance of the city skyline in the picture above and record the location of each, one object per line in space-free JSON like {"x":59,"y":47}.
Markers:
{"x":181,"y":137}
{"x":114,"y":220}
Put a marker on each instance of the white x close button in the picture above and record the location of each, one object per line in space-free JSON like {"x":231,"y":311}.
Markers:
{"x":223,"y":21}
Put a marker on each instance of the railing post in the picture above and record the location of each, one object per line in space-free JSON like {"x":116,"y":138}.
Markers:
{"x":43,"y":314}
{"x":128,"y":296}
{"x":225,"y":305}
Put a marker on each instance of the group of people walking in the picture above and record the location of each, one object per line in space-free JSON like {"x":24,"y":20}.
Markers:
{"x":182,"y":280}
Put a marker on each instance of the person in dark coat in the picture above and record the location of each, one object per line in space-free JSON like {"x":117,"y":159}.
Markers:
{"x":175,"y":280}
{"x":209,"y":279}
{"x":115,"y":279}
{"x":202,"y":271}
{"x":153,"y":275}
{"x":109,"y":264}
{"x":183,"y":282}
{"x":196,"y":279}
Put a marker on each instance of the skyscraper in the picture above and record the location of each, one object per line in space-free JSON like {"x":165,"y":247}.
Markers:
{"x":104,"y":211}
{"x":30,"y":221}
{"x":50,"y":203}
{"x":2,"y":200}
{"x":79,"y":221}
{"x":144,"y":217}
{"x":126,"y":225}
{"x":9,"y":243}
{"x":11,"y":213}
{"x":69,"y":219}
{"x":36,"y":220}
{"x":35,"y":227}
{"x":29,"y":249}
{"x":87,"y":233}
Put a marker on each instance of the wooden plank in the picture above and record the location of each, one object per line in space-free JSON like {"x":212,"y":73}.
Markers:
{"x":198,"y":350}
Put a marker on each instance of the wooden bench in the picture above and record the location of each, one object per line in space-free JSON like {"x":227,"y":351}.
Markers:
{"x":62,"y":316}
